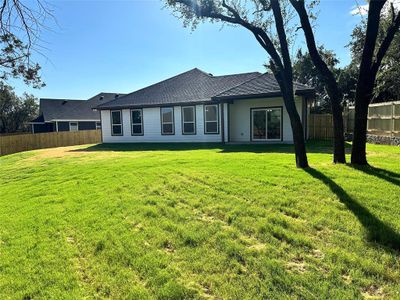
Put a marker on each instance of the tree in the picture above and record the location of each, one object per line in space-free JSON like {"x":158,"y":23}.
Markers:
{"x":327,"y":77}
{"x":15,"y":111}
{"x":387,"y":86}
{"x":305,"y":72}
{"x":258,"y":17}
{"x":370,"y":63}
{"x":20,"y":26}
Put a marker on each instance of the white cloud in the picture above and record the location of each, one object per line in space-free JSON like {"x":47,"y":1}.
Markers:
{"x":362,"y":10}
{"x":359,"y":10}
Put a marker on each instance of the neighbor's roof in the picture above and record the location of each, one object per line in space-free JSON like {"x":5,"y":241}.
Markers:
{"x":189,"y":87}
{"x":68,"y":109}
{"x":264,"y":85}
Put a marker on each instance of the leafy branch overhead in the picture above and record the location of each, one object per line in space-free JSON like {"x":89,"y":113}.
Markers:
{"x":20,"y":28}
{"x":256,"y":16}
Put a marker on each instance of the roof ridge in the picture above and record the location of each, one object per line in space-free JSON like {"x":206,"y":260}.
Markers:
{"x":61,"y":99}
{"x":162,"y":81}
{"x":236,"y":74}
{"x":240,"y":84}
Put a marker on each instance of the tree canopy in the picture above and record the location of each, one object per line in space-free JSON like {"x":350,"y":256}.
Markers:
{"x":16,"y":111}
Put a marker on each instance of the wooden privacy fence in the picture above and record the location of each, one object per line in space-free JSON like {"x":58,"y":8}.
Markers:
{"x":383,"y":120}
{"x":23,"y":142}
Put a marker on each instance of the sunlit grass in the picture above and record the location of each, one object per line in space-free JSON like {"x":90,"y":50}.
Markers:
{"x":174,"y":222}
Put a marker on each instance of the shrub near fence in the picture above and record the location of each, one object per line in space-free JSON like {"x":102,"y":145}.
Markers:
{"x":23,"y":142}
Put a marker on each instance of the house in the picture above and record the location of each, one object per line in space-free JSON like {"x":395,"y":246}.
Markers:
{"x":69,"y":115}
{"x":198,"y":107}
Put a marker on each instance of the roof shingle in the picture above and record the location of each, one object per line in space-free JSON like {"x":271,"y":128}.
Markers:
{"x":260,"y":86}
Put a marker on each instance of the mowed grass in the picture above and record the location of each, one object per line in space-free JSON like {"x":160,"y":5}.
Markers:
{"x":198,"y":221}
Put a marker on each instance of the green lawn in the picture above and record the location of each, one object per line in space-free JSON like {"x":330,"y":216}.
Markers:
{"x":217,"y":222}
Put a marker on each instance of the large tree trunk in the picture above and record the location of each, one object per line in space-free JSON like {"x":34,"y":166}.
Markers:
{"x":363,"y":98}
{"x":339,"y":154}
{"x":358,"y":150}
{"x":365,"y":83}
{"x":298,"y":137}
{"x":335,"y":96}
{"x":285,"y":82}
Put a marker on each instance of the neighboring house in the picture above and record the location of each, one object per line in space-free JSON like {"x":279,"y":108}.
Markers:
{"x":198,"y":107}
{"x":69,"y":115}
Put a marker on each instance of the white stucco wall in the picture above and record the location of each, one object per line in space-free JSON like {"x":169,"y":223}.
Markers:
{"x":152,"y":127}
{"x":239,"y":117}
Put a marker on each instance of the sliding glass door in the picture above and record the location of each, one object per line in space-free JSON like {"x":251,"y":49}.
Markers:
{"x":266,"y":124}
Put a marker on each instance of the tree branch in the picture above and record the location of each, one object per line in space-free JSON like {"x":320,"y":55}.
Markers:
{"x":391,"y":32}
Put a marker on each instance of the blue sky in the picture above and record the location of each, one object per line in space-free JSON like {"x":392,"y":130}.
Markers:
{"x":121,"y":46}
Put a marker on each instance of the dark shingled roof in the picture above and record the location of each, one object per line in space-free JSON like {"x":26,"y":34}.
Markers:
{"x":67,"y":109}
{"x":196,"y":86}
{"x":189,"y":87}
{"x":264,"y":85}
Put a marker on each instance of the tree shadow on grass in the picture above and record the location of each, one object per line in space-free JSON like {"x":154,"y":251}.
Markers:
{"x":312,"y":147}
{"x":387,"y":175}
{"x":378,"y":231}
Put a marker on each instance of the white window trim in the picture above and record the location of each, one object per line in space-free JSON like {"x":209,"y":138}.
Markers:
{"x":116,"y":124}
{"x":166,"y":123}
{"x":188,"y":122}
{"x":266,"y":136}
{"x":211,"y":121}
{"x":141,"y":123}
{"x":70,"y":127}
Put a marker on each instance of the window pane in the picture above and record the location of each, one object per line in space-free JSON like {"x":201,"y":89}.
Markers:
{"x":188,"y":114}
{"x":116,"y":117}
{"x":274,"y":123}
{"x":137,"y":129}
{"x":188,"y":128}
{"x":167,"y":129}
{"x":117,"y":129}
{"x":136,"y":116}
{"x":259,"y":125}
{"x":73,"y":126}
{"x":211,"y":127}
{"x":166,"y":114}
{"x":211,"y":113}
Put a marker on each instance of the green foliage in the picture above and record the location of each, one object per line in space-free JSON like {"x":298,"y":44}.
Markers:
{"x":15,"y":61}
{"x":198,"y":221}
{"x":16,"y":111}
{"x":387,"y":87}
{"x":305,"y":72}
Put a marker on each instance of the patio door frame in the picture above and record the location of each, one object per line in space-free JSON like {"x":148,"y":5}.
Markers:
{"x":266,"y":124}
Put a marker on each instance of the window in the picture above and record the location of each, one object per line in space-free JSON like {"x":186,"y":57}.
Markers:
{"x":211,"y":119}
{"x":137,"y":121}
{"x":98,"y":125}
{"x":188,"y":120}
{"x":266,"y":124}
{"x":116,"y":122}
{"x":73,"y":126}
{"x":167,"y":120}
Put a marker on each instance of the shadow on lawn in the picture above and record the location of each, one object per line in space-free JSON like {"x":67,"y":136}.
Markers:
{"x":389,"y":176}
{"x":312,"y":147}
{"x":378,"y":231}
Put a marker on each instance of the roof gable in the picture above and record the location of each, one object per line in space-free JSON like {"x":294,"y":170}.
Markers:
{"x":260,"y":86}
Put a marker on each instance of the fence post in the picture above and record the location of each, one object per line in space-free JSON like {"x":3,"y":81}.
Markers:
{"x":392,"y":121}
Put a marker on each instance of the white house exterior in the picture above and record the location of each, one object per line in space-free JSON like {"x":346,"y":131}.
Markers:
{"x":198,"y":107}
